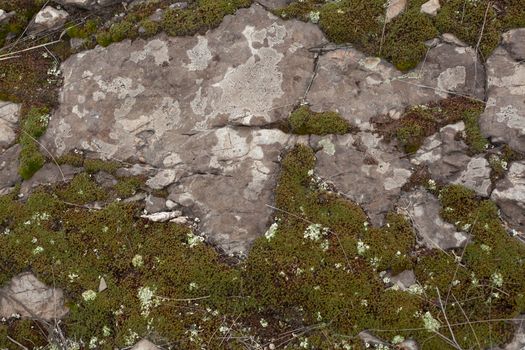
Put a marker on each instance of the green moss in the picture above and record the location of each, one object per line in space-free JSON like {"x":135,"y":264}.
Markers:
{"x":82,"y":190}
{"x":405,"y":39}
{"x":72,"y":159}
{"x":104,"y":38}
{"x":31,"y":159}
{"x":128,"y":187}
{"x":122,"y":30}
{"x":465,"y":19}
{"x":150,"y":27}
{"x":303,"y":121}
{"x":95,"y":165}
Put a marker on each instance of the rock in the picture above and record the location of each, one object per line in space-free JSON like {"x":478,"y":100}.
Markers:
{"x":203,"y":118}
{"x":162,"y":216}
{"x":47,"y":19}
{"x":408,"y":344}
{"x":5,"y":16}
{"x":404,"y":279}
{"x":26,"y":296}
{"x":394,"y":9}
{"x":104,"y":179}
{"x":9,"y":168}
{"x":77,"y":43}
{"x":49,"y":174}
{"x":102,"y":285}
{"x":476,"y":176}
{"x":452,"y":39}
{"x":369,"y":340}
{"x":155,"y":204}
{"x":179,"y":5}
{"x":509,"y":195}
{"x":446,"y":158}
{"x":361,"y":87}
{"x":366,"y":170}
{"x":9,"y":113}
{"x":274,"y":4}
{"x":431,"y":7}
{"x":503,"y":120}
{"x":170,"y":204}
{"x":145,"y":344}
{"x":181,"y":220}
{"x":423,"y":209}
{"x":89,"y":4}
{"x":514,"y":43}
{"x":135,"y":170}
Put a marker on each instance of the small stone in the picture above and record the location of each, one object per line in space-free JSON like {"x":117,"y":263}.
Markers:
{"x":162,"y":216}
{"x":9,"y":113}
{"x":155,"y":204}
{"x":181,"y":220}
{"x":431,"y":7}
{"x":476,"y":176}
{"x":394,"y":9}
{"x":170,"y":204}
{"x":163,"y":179}
{"x":102,"y":286}
{"x":145,"y":344}
{"x":47,"y":19}
{"x":452,"y":39}
{"x":179,"y":5}
{"x":105,"y":180}
{"x":514,"y":42}
{"x":404,"y":279}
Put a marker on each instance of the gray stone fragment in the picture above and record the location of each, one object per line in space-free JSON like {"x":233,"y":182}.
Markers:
{"x":104,"y":179}
{"x":509,"y":195}
{"x":9,"y":167}
{"x":145,"y":344}
{"x":431,"y":7}
{"x":423,"y":209}
{"x":162,"y":216}
{"x":102,"y":285}
{"x":5,"y":16}
{"x":136,"y":170}
{"x":26,"y":296}
{"x":394,"y":9}
{"x":47,"y":19}
{"x":514,"y":43}
{"x":476,"y":176}
{"x":179,"y":5}
{"x":9,"y":113}
{"x":503,"y":120}
{"x":49,"y":174}
{"x":155,"y":204}
{"x":452,"y":39}
{"x":404,"y":279}
{"x":366,"y":170}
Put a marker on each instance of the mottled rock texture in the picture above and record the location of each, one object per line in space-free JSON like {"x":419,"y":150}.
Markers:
{"x":504,"y":117}
{"x":9,"y":113}
{"x":509,"y":194}
{"x":26,"y":296}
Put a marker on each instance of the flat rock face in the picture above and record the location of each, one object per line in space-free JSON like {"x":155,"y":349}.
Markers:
{"x":504,"y":116}
{"x":366,"y":170}
{"x":509,"y":195}
{"x":361,"y":87}
{"x":26,"y":296}
{"x":182,"y":105}
{"x":423,"y":209}
{"x":9,"y":168}
{"x":9,"y":113}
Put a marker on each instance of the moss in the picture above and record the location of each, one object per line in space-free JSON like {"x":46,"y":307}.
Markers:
{"x":303,"y":121}
{"x":128,"y":187}
{"x":150,"y":27}
{"x":31,"y":159}
{"x":122,"y":30}
{"x":104,"y":38}
{"x":420,"y":122}
{"x":72,"y":159}
{"x":95,"y":165}
{"x":465,"y":19}
{"x":405,"y":39}
{"x":82,"y":190}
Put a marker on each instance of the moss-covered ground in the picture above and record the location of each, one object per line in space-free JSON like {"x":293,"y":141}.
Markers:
{"x":362,"y":23}
{"x":314,"y":280}
{"x":303,"y":121}
{"x":419,"y":122}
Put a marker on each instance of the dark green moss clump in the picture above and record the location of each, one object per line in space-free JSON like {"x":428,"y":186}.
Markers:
{"x":420,"y":122}
{"x":303,"y":121}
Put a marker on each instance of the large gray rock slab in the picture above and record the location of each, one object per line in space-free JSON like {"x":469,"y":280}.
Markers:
{"x":9,"y":113}
{"x":196,"y":109}
{"x":423,"y":209}
{"x":26,"y":296}
{"x":509,"y":195}
{"x":504,"y":116}
{"x":361,"y":87}
{"x":364,"y":169}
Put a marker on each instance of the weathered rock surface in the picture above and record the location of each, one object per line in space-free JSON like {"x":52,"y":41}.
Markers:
{"x":394,"y":9}
{"x":446,"y":158}
{"x":423,"y":209}
{"x":504,"y":116}
{"x":90,"y":4}
{"x":364,"y":169}
{"x":49,"y":174}
{"x":9,"y":168}
{"x":145,"y":344}
{"x":514,"y":42}
{"x":48,"y":18}
{"x":361,"y":87}
{"x":404,"y":279}
{"x":431,"y":7}
{"x":9,"y":113}
{"x":180,"y":104}
{"x":509,"y":195}
{"x":26,"y":296}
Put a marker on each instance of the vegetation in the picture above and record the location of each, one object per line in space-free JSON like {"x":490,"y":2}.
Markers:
{"x":320,"y":269}
{"x":33,"y":126}
{"x":419,"y":122}
{"x":303,"y":121}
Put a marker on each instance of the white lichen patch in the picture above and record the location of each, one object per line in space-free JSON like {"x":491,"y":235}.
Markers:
{"x":156,"y":48}
{"x":200,"y":55}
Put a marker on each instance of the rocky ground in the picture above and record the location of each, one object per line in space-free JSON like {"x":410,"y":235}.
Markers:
{"x":275,"y":174}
